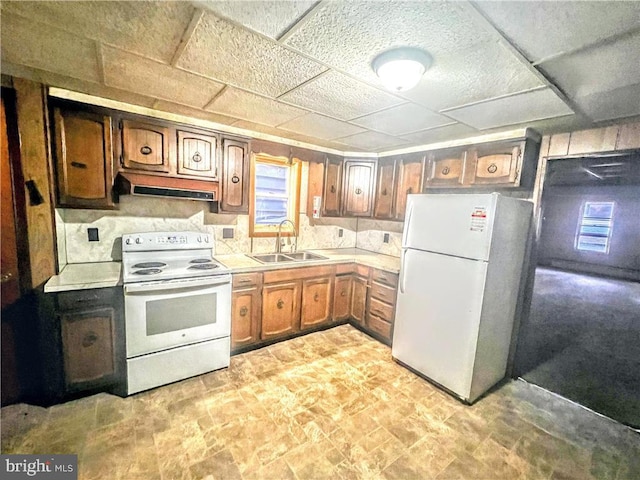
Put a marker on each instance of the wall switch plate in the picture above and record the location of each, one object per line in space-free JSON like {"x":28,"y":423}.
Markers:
{"x":227,"y":233}
{"x":385,"y":238}
{"x":340,"y":232}
{"x":93,"y":234}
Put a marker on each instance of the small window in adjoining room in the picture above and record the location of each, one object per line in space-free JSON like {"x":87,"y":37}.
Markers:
{"x":595,"y":226}
{"x":275,"y":194}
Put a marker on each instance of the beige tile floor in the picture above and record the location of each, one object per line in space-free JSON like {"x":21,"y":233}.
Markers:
{"x":328,"y":405}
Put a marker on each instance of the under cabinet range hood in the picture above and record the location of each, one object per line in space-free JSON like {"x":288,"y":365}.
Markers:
{"x":167,"y":187}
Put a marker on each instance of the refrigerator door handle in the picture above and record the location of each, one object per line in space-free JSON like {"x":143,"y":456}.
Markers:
{"x":402,"y":271}
{"x":407,"y":225}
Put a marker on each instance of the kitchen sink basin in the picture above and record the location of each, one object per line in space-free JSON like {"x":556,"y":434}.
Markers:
{"x":287,"y":257}
{"x":301,"y":256}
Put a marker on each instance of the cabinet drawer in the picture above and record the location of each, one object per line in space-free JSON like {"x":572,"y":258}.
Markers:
{"x":344,"y":268}
{"x":379,"y":326}
{"x":242,"y":280}
{"x":380,"y":309}
{"x":81,"y":298}
{"x":383,"y":292}
{"x":387,"y":278}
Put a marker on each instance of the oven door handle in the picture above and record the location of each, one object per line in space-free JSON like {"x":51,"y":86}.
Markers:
{"x":176,"y":284}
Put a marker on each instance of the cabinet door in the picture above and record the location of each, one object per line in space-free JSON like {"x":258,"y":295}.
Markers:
{"x":245,"y":317}
{"x":332,"y":187}
{"x":144,"y":146}
{"x":280,"y":309}
{"x":342,"y":298}
{"x":384,"y":189}
{"x":446,"y":169}
{"x":410,"y":172}
{"x":88,"y":346}
{"x":316,"y":302}
{"x":197,"y":154}
{"x":359,"y":299}
{"x":84,"y":158}
{"x":235,"y":176}
{"x":497,"y":163}
{"x":358,"y":188}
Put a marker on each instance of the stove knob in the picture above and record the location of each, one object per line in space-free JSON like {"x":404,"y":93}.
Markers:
{"x":128,"y":241}
{"x":138,"y":240}
{"x":199,"y":239}
{"x":206,"y":239}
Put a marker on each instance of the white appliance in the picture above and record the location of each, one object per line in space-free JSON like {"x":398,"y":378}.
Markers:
{"x":177,"y":302}
{"x":462,"y":258}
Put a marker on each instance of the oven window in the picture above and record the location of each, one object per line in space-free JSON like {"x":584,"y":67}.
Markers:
{"x":181,"y":313}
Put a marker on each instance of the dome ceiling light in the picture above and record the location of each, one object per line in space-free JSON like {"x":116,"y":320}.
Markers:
{"x":400,"y":69}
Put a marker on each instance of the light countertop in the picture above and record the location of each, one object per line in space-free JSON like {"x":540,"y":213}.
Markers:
{"x":82,"y":276}
{"x":241,"y":263}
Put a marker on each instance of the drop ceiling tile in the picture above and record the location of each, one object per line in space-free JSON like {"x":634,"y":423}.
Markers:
{"x":348,"y":35}
{"x":402,"y":119}
{"x":371,"y":141}
{"x":566,"y":25}
{"x":524,"y":107}
{"x":272,"y":18}
{"x":233,"y":55}
{"x":441,"y":134}
{"x":482,"y":72}
{"x":618,"y":103}
{"x":249,"y":106}
{"x":138,"y":74}
{"x":177,"y":109}
{"x":258,"y":127}
{"x":43,"y":47}
{"x":598,"y":69}
{"x":339,"y":96}
{"x":315,"y":125}
{"x":151,"y":29}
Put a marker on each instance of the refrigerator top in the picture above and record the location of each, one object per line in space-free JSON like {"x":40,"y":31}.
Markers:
{"x":460,"y":225}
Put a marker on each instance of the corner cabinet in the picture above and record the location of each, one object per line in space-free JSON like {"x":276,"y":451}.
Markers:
{"x":83,"y":157}
{"x":357,"y":193}
{"x":235,"y":176}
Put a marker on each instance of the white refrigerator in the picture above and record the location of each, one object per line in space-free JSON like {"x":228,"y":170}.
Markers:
{"x":462,"y":259}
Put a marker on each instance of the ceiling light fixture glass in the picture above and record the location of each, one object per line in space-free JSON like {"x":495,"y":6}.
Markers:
{"x":400,"y":69}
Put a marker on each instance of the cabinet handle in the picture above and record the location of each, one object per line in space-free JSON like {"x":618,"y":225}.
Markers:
{"x":446,"y":170}
{"x":146,"y":150}
{"x":333,"y":189}
{"x":78,"y":165}
{"x":235,"y":179}
{"x":358,"y":191}
{"x":493,"y":168}
{"x":384,"y":192}
{"x":280,"y":304}
{"x":6,"y":277}
{"x":89,"y":339}
{"x":196,"y":157}
{"x":343,"y":293}
{"x":244,"y":311}
{"x":409,"y":190}
{"x":316,"y":297}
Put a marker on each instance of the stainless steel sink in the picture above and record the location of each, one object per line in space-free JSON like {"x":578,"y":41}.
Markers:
{"x":287,"y":257}
{"x":301,"y":256}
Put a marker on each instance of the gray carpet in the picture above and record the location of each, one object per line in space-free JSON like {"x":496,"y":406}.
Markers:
{"x":582,"y":340}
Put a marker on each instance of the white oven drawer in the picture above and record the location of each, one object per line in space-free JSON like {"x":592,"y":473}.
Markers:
{"x":164,"y":315}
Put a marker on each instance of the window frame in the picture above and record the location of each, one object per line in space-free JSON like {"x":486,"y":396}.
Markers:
{"x":293,"y":209}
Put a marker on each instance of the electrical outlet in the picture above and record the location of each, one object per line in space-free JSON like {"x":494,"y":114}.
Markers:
{"x":340,"y":232}
{"x":227,"y":233}
{"x":385,"y":238}
{"x":92,"y":233}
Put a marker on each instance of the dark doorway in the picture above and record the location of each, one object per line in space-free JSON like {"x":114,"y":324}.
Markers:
{"x":582,"y":336}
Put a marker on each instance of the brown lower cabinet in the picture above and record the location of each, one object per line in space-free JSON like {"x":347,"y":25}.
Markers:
{"x":359,"y":298}
{"x":246,"y":309}
{"x":316,"y":301}
{"x":280,"y":309}
{"x":342,"y":293}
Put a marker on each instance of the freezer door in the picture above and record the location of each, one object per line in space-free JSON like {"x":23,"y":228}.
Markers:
{"x":437,"y":317}
{"x":458,"y":225}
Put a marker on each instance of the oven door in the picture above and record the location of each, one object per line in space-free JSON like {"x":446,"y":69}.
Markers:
{"x":167,"y":314}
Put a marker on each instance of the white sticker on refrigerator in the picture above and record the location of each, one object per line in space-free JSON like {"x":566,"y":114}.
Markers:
{"x":478,"y":219}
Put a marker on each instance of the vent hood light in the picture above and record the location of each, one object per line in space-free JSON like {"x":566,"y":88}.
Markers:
{"x":402,"y":68}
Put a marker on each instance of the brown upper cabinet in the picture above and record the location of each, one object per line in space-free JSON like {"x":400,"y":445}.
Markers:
{"x":496,"y":162}
{"x":235,"y":176}
{"x":357,"y":193}
{"x":446,"y":168}
{"x":385,"y":186}
{"x":83,"y":157}
{"x":332,"y":186}
{"x":410,"y":179}
{"x":144,"y":146}
{"x":197,"y":154}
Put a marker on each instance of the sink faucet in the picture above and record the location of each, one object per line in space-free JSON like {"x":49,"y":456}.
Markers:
{"x":294,"y":246}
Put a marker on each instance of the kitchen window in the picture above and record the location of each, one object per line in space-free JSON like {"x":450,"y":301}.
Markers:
{"x":595,"y":226}
{"x":275,"y":195}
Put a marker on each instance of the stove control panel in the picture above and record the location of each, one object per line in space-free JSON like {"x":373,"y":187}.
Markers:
{"x":165,"y":241}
